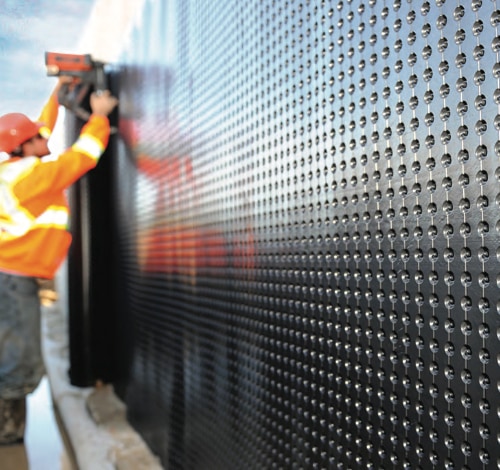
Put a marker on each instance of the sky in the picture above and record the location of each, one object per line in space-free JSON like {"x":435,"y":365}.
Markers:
{"x":29,"y":28}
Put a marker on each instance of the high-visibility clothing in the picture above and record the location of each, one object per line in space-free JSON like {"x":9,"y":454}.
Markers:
{"x":34,"y":212}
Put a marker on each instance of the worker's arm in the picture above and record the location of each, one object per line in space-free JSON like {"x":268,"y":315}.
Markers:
{"x":48,"y":116}
{"x":37,"y":179}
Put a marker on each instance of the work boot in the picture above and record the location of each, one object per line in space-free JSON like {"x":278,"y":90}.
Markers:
{"x":12,"y":421}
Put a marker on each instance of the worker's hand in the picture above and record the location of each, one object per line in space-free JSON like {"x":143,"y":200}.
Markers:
{"x":70,"y":82}
{"x":66,"y":83}
{"x":102,"y":102}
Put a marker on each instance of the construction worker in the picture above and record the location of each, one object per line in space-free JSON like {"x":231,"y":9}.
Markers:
{"x":34,"y":238}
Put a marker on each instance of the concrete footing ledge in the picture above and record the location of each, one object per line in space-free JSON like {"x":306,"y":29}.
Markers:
{"x":94,"y":418}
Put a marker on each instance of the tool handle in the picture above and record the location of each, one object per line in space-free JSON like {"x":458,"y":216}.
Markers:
{"x":100,"y":82}
{"x":72,"y":101}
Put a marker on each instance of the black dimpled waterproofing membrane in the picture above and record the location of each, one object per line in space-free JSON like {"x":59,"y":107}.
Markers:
{"x":309,"y":223}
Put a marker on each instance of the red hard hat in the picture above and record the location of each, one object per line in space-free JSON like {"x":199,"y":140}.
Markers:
{"x":16,"y":128}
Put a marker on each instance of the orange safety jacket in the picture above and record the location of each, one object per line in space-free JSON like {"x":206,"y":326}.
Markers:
{"x":34,"y":212}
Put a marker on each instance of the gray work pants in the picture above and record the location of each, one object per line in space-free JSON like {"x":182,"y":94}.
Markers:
{"x":21,"y":362}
